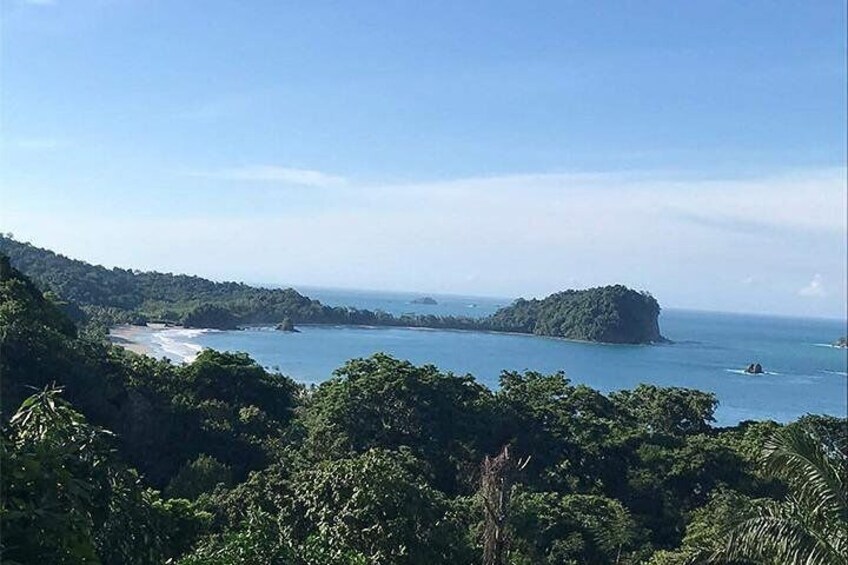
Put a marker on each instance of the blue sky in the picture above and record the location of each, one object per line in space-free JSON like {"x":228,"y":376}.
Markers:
{"x":695,"y":149}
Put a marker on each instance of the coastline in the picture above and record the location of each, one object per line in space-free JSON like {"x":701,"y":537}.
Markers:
{"x":142,"y":340}
{"x":157,"y":340}
{"x":663,"y":341}
{"x":129,"y":337}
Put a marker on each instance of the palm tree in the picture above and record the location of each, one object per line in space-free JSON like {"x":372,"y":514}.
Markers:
{"x":810,"y":526}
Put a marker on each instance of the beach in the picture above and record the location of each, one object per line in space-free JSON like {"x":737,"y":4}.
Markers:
{"x":158,"y":340}
{"x":128,"y":337}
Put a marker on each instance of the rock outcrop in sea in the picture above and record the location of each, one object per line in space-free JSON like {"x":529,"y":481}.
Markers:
{"x":287,"y":326}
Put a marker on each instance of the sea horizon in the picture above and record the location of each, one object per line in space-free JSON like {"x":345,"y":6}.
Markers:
{"x":305,"y":290}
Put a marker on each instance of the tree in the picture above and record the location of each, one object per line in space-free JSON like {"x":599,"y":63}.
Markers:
{"x":199,"y":476}
{"x":551,"y":528}
{"x":256,"y":541}
{"x":383,"y":402}
{"x":497,"y":476}
{"x":563,"y":426}
{"x":668,"y":410}
{"x":810,"y":526}
{"x":67,"y":499}
{"x":210,"y":316}
{"x":379,"y":505}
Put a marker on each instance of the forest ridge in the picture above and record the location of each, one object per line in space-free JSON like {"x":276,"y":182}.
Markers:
{"x":609,"y":314}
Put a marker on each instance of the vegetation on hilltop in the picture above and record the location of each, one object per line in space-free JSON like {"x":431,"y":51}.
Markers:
{"x":609,"y":314}
{"x":612,"y":314}
{"x":127,"y":296}
{"x":118,"y":458}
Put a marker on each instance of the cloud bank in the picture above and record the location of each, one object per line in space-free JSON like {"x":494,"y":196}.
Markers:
{"x":274,"y":174}
{"x":738,"y":244}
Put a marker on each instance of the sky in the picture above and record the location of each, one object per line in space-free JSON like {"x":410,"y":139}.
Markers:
{"x":693,"y":149}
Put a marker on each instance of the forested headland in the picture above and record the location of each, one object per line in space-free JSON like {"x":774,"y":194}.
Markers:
{"x":95,"y":294}
{"x":112,"y":457}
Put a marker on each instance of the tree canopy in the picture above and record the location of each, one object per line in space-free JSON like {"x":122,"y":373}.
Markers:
{"x":113,"y":457}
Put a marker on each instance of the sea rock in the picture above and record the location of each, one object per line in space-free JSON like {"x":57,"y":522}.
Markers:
{"x":287,"y":326}
{"x":841,"y":342}
{"x":425,"y":300}
{"x":754,"y":369}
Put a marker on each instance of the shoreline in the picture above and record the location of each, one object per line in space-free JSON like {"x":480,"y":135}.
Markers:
{"x":127,"y":337}
{"x":153,"y":341}
{"x":663,"y":341}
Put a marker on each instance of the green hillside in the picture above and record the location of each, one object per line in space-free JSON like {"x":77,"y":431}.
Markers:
{"x":612,"y":314}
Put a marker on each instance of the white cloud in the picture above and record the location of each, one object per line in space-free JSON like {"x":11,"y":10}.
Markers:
{"x":274,"y":174}
{"x":38,"y":143}
{"x":814,"y":288}
{"x":692,"y":242}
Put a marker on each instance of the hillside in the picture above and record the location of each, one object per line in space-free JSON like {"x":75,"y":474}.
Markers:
{"x":140,"y":461}
{"x":123,"y":295}
{"x":611,"y":314}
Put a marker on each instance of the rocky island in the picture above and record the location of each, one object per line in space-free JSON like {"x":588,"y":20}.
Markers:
{"x":426,"y":300}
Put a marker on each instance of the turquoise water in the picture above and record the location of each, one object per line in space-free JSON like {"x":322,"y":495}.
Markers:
{"x":805,"y":375}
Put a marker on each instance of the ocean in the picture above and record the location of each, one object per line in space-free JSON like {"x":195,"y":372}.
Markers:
{"x":804,"y":374}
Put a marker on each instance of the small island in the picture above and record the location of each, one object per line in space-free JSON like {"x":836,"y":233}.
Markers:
{"x":607,"y":314}
{"x":426,"y":300}
{"x":842,"y":342}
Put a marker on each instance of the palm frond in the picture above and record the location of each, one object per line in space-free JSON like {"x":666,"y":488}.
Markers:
{"x":808,"y":527}
{"x":777,"y":540}
{"x":815,"y":479}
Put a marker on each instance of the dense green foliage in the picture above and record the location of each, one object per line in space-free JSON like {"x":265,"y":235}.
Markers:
{"x":217,"y":462}
{"x":613,"y":314}
{"x":610,"y":314}
{"x":224,"y":405}
{"x":67,"y":497}
{"x":126,"y":296}
{"x":810,"y":525}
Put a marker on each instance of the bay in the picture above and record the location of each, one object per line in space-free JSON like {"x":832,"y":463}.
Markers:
{"x":804,"y":373}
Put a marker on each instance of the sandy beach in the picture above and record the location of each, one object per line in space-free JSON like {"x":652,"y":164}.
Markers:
{"x":132,"y":337}
{"x":158,"y":340}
